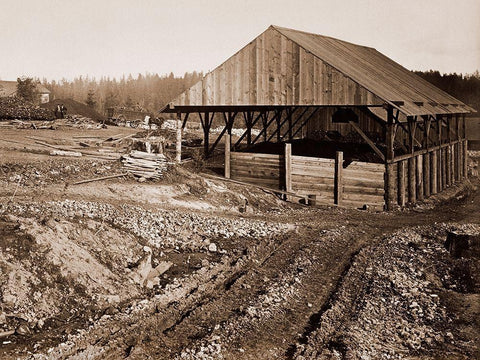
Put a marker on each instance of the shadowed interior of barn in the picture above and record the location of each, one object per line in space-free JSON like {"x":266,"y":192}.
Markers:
{"x":331,"y":121}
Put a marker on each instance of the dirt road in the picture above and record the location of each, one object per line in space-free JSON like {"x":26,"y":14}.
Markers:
{"x":259,"y":283}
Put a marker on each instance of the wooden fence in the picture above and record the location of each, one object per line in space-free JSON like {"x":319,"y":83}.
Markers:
{"x":322,"y":181}
{"x":413,"y":178}
{"x":420,"y":175}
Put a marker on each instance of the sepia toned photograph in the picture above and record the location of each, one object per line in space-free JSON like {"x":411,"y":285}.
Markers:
{"x":269,"y":179}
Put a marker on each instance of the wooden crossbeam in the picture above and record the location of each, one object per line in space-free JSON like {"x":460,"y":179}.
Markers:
{"x":296,"y":122}
{"x":289,"y":113}
{"x":306,"y":121}
{"x":228,"y":127}
{"x":367,"y":139}
{"x":245,"y":133}
{"x":265,"y":127}
{"x":185,"y":121}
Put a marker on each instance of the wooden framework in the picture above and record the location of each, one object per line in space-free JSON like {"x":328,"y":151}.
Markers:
{"x":286,"y":84}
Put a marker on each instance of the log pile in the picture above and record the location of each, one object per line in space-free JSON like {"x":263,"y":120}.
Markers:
{"x":16,"y":108}
{"x":145,"y":165}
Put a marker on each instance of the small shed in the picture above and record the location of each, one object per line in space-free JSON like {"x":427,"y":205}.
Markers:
{"x":330,"y":120}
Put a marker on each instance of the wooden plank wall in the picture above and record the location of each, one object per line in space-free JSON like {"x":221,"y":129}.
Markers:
{"x":363,"y":184}
{"x":273,"y":70}
{"x":314,"y":176}
{"x":260,"y":169}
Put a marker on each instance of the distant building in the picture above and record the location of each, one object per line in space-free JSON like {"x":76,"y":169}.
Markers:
{"x":9,"y":88}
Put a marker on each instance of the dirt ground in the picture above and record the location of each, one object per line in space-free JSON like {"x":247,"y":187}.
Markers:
{"x":191,"y":267}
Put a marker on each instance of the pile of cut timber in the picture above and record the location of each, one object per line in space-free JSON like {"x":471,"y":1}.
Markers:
{"x":146,"y":165}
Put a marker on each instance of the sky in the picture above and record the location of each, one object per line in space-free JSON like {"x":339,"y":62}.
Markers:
{"x":56,"y":39}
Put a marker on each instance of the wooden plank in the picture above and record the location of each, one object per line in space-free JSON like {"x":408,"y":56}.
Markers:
{"x":372,"y":167}
{"x":227,"y":156}
{"x":411,"y":180}
{"x":313,"y":172}
{"x":288,"y":167}
{"x":426,"y":174}
{"x":257,"y":173}
{"x":401,"y":184}
{"x":307,"y":159}
{"x":363,"y":182}
{"x":254,"y":155}
{"x":370,"y":199}
{"x":338,"y":180}
{"x":314,"y":187}
{"x":419,"y":177}
{"x":316,"y":180}
{"x":249,"y":166}
{"x":367,"y":139}
{"x":364,"y":190}
{"x":465,"y":157}
{"x":434,"y":172}
{"x":363,"y":174}
{"x":319,"y":195}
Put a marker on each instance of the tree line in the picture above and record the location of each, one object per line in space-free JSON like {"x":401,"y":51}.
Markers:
{"x":147,"y":91}
{"x":151,"y":91}
{"x":465,"y":88}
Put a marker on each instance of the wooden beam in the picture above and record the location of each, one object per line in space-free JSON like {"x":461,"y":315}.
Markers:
{"x":185,"y":121}
{"x":296,"y":121}
{"x":369,"y":142}
{"x":265,"y":127}
{"x":401,"y":183}
{"x":178,"y":152}
{"x":305,"y":121}
{"x":288,"y":167}
{"x":338,"y":181}
{"x":390,"y":154}
{"x":246,"y":132}
{"x":227,"y":156}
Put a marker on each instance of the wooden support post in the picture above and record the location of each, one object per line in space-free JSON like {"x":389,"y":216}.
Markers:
{"x":178,"y":157}
{"x":290,"y":130}
{"x":456,"y":152}
{"x":288,"y":167}
{"x":433,"y":172}
{"x":448,"y":152}
{"x":389,"y":166}
{"x":465,"y":158}
{"x":411,"y":180}
{"x":443,"y":168}
{"x":227,"y":155}
{"x":419,"y":177}
{"x":401,"y":183}
{"x":426,"y":174}
{"x":338,"y":184}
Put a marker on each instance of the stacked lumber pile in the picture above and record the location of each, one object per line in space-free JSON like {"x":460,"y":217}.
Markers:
{"x":145,"y":165}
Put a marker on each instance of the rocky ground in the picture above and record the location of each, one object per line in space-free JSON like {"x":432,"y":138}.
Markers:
{"x":190,"y":267}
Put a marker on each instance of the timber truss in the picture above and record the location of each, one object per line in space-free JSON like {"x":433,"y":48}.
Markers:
{"x":284,"y":123}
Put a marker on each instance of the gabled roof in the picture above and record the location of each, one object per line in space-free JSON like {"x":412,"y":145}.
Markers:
{"x":285,"y":67}
{"x":9,"y":88}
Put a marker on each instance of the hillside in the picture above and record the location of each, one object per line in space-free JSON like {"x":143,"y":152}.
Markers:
{"x":75,"y":107}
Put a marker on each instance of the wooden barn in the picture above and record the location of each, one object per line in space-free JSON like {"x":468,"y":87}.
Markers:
{"x":330,"y":121}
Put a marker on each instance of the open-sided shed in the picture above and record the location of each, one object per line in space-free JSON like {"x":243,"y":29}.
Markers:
{"x":288,"y":85}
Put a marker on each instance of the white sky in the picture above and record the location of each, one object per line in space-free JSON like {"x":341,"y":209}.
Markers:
{"x":66,"y":38}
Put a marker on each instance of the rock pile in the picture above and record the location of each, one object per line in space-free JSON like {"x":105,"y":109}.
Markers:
{"x":389,"y":305}
{"x":160,"y":229}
